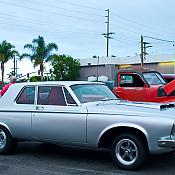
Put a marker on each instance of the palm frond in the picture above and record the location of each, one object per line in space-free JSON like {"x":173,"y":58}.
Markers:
{"x":40,"y":52}
{"x":28,"y":46}
{"x":50,"y":58}
{"x":15,"y":53}
{"x":24,"y":55}
{"x":39,"y":41}
{"x":51,"y":46}
{"x":7,"y":51}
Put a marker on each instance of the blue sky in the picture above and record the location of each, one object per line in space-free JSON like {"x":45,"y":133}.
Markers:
{"x":76,"y":26}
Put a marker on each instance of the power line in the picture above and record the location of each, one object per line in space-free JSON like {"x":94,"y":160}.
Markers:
{"x":33,"y":21}
{"x":126,"y":29}
{"x":125,"y":42}
{"x":169,"y":41}
{"x":65,"y":9}
{"x":130,"y":21}
{"x":30,"y":20}
{"x":137,"y":25}
{"x":134,"y":23}
{"x":131,"y":26}
{"x":76,"y":4}
{"x":50,"y":30}
{"x":126,"y":39}
{"x":48,"y":12}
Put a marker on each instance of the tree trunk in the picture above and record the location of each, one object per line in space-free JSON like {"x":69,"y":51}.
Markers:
{"x":42,"y":76}
{"x":42,"y":72}
{"x":2,"y":72}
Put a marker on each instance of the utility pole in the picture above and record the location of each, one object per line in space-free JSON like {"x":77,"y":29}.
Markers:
{"x":143,"y":50}
{"x":141,"y":54}
{"x":14,"y":67}
{"x":97,"y":66}
{"x":107,"y":34}
{"x":16,"y":73}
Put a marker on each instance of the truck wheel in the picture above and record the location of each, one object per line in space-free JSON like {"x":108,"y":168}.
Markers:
{"x":7,"y":143}
{"x":128,"y":152}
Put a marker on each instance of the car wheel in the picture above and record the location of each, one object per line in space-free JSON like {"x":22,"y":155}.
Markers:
{"x":7,"y":143}
{"x":128,"y":152}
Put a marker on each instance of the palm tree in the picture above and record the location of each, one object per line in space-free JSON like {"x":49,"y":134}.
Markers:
{"x":41,"y":53}
{"x":7,"y":52}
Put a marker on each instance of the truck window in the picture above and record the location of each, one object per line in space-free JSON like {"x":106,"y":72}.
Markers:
{"x":131,"y":80}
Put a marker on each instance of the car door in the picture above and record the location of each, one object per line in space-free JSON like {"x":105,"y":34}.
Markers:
{"x":56,"y":119}
{"x":20,"y":119}
{"x":133,"y":88}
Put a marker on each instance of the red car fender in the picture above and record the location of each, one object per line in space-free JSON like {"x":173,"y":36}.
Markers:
{"x":153,"y":93}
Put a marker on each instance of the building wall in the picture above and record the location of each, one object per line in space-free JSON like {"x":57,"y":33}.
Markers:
{"x":108,"y":66}
{"x":164,"y":68}
{"x":109,"y":70}
{"x":106,"y":70}
{"x":87,"y":71}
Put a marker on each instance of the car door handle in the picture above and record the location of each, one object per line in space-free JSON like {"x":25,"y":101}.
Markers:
{"x":39,"y":107}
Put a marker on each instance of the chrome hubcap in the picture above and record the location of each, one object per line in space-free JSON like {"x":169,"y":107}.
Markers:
{"x":3,"y":139}
{"x":126,"y":151}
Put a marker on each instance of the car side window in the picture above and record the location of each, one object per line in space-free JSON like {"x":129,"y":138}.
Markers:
{"x":27,"y":96}
{"x":69,"y":98}
{"x":51,"y":95}
{"x":128,"y":80}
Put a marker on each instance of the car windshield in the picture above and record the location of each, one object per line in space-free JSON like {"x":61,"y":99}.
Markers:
{"x":153,"y":78}
{"x":92,"y":92}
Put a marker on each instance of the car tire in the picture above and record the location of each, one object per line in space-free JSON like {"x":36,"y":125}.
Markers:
{"x":128,"y":152}
{"x":7,"y":143}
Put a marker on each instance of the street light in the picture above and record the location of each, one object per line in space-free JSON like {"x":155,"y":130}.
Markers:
{"x":98,"y":58}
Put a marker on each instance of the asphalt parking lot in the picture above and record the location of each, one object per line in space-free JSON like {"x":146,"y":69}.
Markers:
{"x":42,"y":159}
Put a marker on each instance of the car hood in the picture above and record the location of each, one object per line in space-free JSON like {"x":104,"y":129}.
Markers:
{"x":114,"y":107}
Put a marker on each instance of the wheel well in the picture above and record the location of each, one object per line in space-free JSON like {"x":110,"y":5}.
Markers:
{"x":2,"y":126}
{"x":109,"y":136}
{"x":7,"y":129}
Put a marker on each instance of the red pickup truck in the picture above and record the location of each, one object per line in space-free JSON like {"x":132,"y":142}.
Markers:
{"x":143,"y":84}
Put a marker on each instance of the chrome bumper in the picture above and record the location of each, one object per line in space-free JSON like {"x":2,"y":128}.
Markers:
{"x":166,"y":143}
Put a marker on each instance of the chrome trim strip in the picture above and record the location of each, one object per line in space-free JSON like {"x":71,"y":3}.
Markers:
{"x":71,"y":112}
{"x":166,"y":143}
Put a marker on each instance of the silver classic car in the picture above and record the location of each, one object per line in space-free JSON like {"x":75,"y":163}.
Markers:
{"x":85,"y":114}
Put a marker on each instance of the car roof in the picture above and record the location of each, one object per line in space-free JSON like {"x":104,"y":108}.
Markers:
{"x":63,"y":83}
{"x":138,"y":70}
{"x":14,"y":89}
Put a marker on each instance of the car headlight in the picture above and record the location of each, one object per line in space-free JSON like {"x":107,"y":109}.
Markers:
{"x":173,"y":132}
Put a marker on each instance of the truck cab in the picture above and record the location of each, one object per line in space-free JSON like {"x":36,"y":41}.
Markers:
{"x":143,"y":84}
